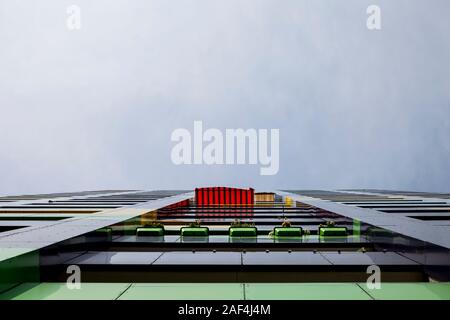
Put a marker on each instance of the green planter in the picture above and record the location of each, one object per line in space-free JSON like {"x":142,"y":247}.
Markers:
{"x":288,"y":232}
{"x":194,"y":231}
{"x":379,"y":232}
{"x":332,"y":231}
{"x":150,"y":232}
{"x":104,"y":233}
{"x":242,"y":231}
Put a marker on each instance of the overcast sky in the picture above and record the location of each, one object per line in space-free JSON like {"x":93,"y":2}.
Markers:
{"x":94,"y":108}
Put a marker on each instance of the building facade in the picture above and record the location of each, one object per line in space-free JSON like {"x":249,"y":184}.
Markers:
{"x":268,"y":244}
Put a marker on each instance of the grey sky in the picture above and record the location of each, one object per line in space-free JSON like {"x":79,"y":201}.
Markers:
{"x":95,"y":108}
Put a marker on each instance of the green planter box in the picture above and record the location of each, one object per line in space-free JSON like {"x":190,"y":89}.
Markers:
{"x":242,"y":232}
{"x":194,"y":232}
{"x":288,"y":232}
{"x":332,"y":231}
{"x":105,"y":231}
{"x":150,"y":232}
{"x":379,"y":232}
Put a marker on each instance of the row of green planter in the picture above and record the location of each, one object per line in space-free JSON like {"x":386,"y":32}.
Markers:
{"x":242,"y":231}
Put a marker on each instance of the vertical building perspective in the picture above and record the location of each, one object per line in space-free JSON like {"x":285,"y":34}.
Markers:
{"x":226,"y":243}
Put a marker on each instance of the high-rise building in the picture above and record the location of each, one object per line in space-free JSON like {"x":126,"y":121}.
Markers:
{"x":279,"y":244}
